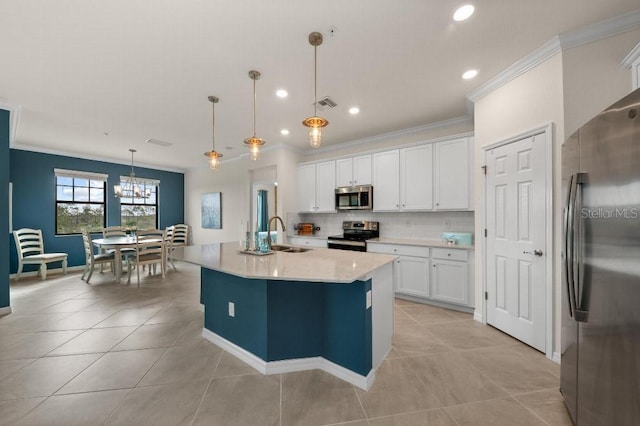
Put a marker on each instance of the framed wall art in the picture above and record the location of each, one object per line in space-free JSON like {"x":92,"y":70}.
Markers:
{"x":211,"y":209}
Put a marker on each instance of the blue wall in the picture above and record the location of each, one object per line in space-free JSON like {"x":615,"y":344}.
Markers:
{"x":4,"y":211}
{"x":34,"y":189}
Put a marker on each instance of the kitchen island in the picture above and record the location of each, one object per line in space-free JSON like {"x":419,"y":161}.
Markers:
{"x":321,"y":309}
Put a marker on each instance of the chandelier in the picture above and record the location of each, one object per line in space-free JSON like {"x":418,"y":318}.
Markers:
{"x":315,"y":123}
{"x":254,"y":142}
{"x":214,"y":157}
{"x":131,"y":187}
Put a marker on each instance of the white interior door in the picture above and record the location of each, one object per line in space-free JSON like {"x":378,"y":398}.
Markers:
{"x":516,"y":239}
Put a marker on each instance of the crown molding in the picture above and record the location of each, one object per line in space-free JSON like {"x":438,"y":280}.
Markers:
{"x":14,"y":118}
{"x":567,"y":40}
{"x":628,"y":60}
{"x":384,"y":136}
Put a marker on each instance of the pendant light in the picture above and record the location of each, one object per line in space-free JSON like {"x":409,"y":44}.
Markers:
{"x":214,"y":157}
{"x":315,"y":123}
{"x":131,"y":187}
{"x":254,"y":142}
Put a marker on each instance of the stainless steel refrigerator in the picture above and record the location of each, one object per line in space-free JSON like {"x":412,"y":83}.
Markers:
{"x":600,"y":370}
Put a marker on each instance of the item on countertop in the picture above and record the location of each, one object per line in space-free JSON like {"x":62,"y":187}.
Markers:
{"x":461,"y":238}
{"x":305,"y":228}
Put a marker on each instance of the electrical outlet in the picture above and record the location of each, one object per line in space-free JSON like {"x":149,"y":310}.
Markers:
{"x":368,"y":299}
{"x":232,"y":309}
{"x":447,"y":224}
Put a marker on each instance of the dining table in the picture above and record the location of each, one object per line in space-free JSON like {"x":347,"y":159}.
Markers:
{"x":116,"y":244}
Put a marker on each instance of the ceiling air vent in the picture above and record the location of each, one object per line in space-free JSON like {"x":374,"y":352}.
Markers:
{"x":159,"y":142}
{"x":326,"y":103}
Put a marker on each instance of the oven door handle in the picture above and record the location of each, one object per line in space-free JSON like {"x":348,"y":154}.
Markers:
{"x":346,"y":243}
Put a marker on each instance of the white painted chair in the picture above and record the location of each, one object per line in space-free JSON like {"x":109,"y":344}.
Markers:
{"x":177,"y":235}
{"x":151,"y":249}
{"x":114,"y":231}
{"x":91,"y":258}
{"x":30,"y":250}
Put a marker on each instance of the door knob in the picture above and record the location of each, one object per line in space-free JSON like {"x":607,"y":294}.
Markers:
{"x":535,"y":252}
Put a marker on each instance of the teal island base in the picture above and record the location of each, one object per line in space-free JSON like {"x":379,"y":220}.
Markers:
{"x":280,"y":326}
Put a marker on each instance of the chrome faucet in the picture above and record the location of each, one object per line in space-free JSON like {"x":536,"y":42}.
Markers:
{"x":269,"y":229}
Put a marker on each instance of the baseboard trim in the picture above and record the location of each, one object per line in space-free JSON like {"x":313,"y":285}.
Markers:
{"x":291,"y":365}
{"x":556,"y":357}
{"x":477,"y":315}
{"x":5,"y":311}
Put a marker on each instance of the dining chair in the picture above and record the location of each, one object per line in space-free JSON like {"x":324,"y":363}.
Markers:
{"x":92,"y":259}
{"x":177,"y":236}
{"x":151,"y":250}
{"x":30,"y":249}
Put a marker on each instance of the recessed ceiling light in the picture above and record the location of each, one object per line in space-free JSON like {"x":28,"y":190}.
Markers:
{"x":281,"y":93}
{"x":463,"y":12}
{"x":354,"y":110}
{"x":468,"y":75}
{"x":284,"y":132}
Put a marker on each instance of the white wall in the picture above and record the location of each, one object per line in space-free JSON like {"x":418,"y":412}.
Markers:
{"x":594,"y":79}
{"x":233,"y":180}
{"x":566,"y":90}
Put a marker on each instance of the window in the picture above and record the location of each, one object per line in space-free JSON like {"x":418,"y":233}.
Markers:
{"x":80,"y":201}
{"x":140,"y":213}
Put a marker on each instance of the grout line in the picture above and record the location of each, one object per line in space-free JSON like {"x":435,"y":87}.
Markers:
{"x":206,"y":389}
{"x":281,"y":379}
{"x":360,"y":402}
{"x":529,"y":410}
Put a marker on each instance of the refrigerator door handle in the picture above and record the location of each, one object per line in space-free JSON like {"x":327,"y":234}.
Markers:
{"x":568,"y":268}
{"x":580,"y":313}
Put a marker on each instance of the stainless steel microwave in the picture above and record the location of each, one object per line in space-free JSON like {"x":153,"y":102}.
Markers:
{"x":354,"y":197}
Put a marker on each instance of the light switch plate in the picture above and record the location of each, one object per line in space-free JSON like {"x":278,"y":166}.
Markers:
{"x":232,"y":309}
{"x":368,"y":299}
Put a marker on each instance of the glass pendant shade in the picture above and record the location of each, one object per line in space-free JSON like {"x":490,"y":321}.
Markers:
{"x":213,"y":156}
{"x":315,"y":125}
{"x":254,"y":147}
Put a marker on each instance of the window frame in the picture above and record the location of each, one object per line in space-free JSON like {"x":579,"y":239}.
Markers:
{"x":89,"y":176}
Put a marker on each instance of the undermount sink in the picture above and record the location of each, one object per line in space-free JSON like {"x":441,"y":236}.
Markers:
{"x":289,"y":249}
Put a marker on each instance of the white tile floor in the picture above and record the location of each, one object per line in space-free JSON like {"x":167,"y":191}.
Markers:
{"x":106,"y":353}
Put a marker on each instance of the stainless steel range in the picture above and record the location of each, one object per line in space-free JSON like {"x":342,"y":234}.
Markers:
{"x":354,"y":235}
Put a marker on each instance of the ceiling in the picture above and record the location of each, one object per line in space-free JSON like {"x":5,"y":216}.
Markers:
{"x":93,"y":79}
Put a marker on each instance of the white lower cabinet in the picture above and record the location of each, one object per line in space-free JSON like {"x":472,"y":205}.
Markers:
{"x":412,"y":275}
{"x":439,"y":274}
{"x":308,"y":242}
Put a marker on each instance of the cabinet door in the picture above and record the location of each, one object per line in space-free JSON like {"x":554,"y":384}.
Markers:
{"x":412,"y":275}
{"x":416,"y":178}
{"x":344,"y":172}
{"x":307,"y":188}
{"x":452,"y":175}
{"x":326,"y":186}
{"x":386,"y":180}
{"x":449,"y":281}
{"x":362,"y":170}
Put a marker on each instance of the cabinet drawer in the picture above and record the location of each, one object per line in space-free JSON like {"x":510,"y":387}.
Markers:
{"x":450,"y":254}
{"x":399,"y":250}
{"x":310,"y":242}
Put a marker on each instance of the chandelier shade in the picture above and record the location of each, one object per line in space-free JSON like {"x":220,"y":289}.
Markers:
{"x":213,"y":156}
{"x":254,"y":143}
{"x":315,"y":123}
{"x":131,"y":187}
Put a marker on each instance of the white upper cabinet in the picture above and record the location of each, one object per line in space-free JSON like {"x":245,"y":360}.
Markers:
{"x":316,"y":187}
{"x":452,"y":175}
{"x":353,"y":171}
{"x":416,"y":178}
{"x":386,"y":180}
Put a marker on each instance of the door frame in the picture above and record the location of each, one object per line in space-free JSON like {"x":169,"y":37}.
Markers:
{"x":547,"y":130}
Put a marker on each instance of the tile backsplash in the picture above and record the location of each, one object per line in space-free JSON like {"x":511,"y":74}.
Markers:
{"x":422,"y":225}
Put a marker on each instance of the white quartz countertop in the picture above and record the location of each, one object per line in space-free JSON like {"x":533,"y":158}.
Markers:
{"x":418,"y":242}
{"x":315,"y":265}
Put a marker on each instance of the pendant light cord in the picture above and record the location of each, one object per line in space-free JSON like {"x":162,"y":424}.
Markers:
{"x":213,"y":125}
{"x":315,"y":79}
{"x":254,"y":107}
